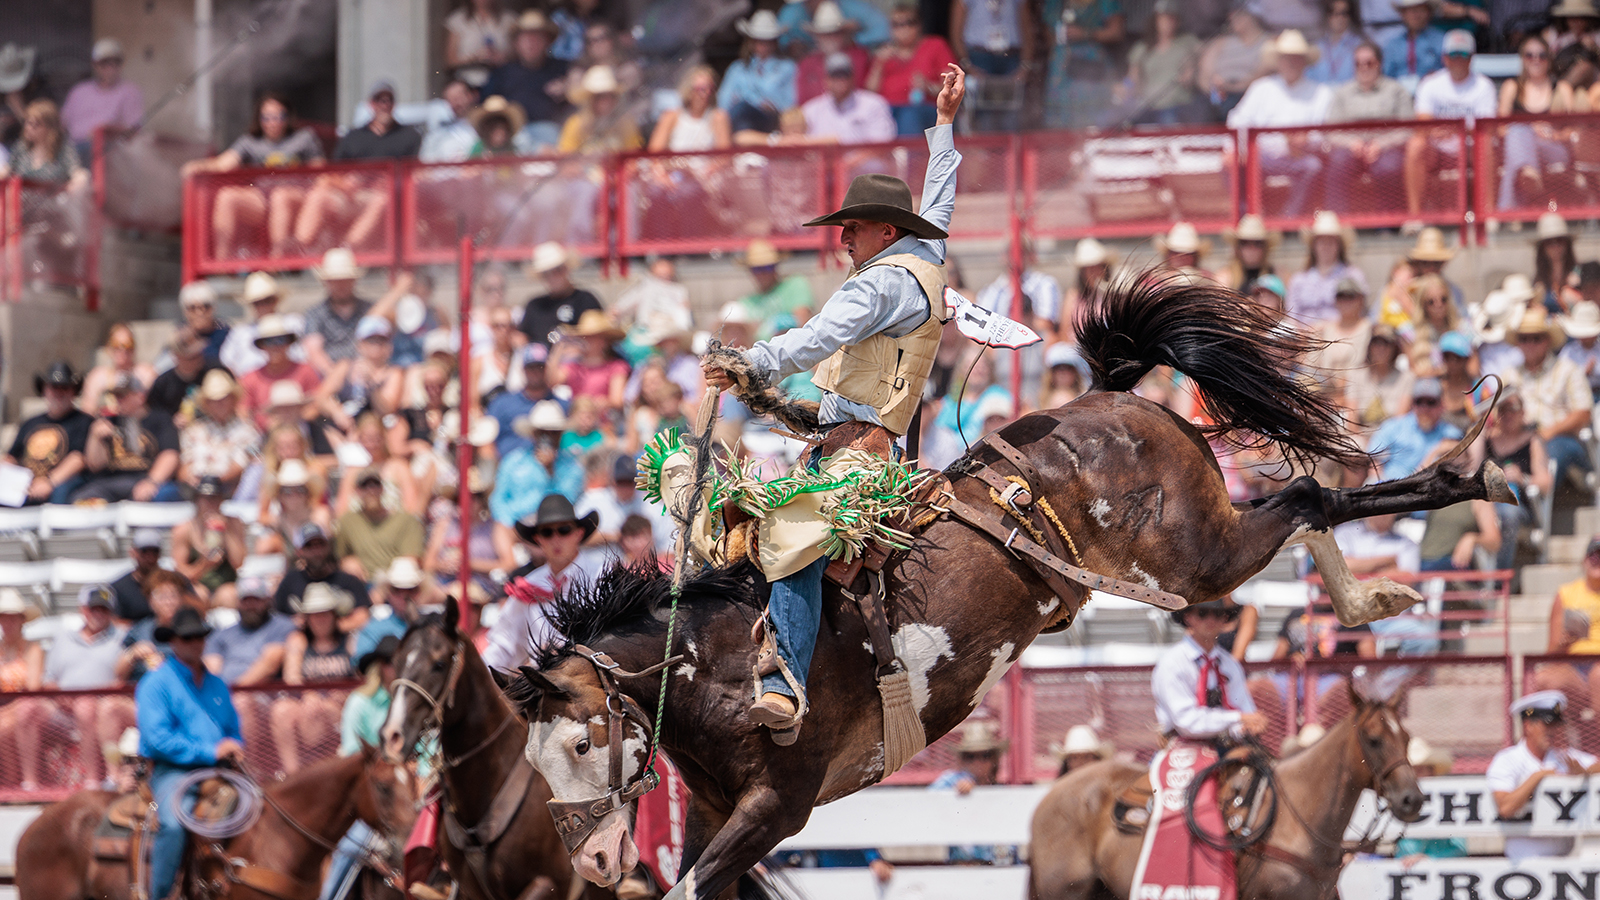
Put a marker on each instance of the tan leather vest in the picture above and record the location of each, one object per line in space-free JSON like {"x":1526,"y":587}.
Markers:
{"x":884,"y":372}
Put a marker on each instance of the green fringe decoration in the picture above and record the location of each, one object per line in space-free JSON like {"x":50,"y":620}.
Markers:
{"x":655,"y":455}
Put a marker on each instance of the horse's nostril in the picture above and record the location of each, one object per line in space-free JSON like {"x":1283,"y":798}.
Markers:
{"x":600,"y":861}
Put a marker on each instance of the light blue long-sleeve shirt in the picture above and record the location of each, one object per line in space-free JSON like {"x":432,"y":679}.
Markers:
{"x":886,"y":299}
{"x":872,"y":26}
{"x":757,"y":81}
{"x":522,"y":481}
{"x":180,"y":724}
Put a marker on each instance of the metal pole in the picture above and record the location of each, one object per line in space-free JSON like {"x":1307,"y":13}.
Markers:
{"x":1016,"y":262}
{"x":463,"y":448}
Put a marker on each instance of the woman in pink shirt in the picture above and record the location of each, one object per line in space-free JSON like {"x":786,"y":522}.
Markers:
{"x":592,"y":368}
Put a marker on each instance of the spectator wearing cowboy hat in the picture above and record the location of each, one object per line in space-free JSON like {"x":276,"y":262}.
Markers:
{"x":558,"y":533}
{"x":760,"y":85}
{"x":187,"y":721}
{"x":977,"y":759}
{"x":590,"y":366}
{"x":534,"y":81}
{"x":1494,"y":323}
{"x":599,"y":126}
{"x":561,"y":304}
{"x":1428,"y":762}
{"x":1284,"y":100}
{"x":863,"y":20}
{"x":330,"y":334}
{"x":317,"y":652}
{"x":239,"y":352}
{"x":132,"y":455}
{"x":1092,"y":264}
{"x":1080,"y":747}
{"x":540,"y":468}
{"x":1252,"y":250}
{"x":51,"y":444}
{"x":1515,"y":773}
{"x":275,"y":339}
{"x":499,"y":125}
{"x":1428,"y":257}
{"x":1418,"y":51}
{"x":1554,"y":262}
{"x":219,"y":442}
{"x":778,"y":303}
{"x":830,"y":34}
{"x":1555,"y":392}
{"x":173,"y":391}
{"x":405,"y":590}
{"x":1181,"y":250}
{"x":1582,"y":349}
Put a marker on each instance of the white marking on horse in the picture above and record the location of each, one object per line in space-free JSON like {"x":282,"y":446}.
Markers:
{"x":1046,"y":609}
{"x":573,"y":777}
{"x":997,"y":670}
{"x":694,"y":652}
{"x":1100,"y":509}
{"x":687,"y":671}
{"x":1148,"y":579}
{"x":920,"y":647}
{"x":867,"y":646}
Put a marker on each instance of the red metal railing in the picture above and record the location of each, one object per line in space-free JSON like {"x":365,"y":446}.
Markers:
{"x":1554,"y":164}
{"x":51,"y":236}
{"x":1361,"y":173}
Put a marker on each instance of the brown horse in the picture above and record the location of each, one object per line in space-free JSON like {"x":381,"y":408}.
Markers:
{"x":1136,"y":488}
{"x":278,"y":858}
{"x":1078,"y":853}
{"x":501,"y":844}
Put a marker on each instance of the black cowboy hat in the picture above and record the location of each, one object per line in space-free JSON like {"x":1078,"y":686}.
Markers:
{"x":59,"y":374}
{"x":384,"y":652}
{"x":1227,"y":606}
{"x":881,"y":198}
{"x":186,"y":623}
{"x":554,"y":510}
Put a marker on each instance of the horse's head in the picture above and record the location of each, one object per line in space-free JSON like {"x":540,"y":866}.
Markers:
{"x":1381,"y":741}
{"x":592,"y":745}
{"x":387,"y":800}
{"x":428,"y":668}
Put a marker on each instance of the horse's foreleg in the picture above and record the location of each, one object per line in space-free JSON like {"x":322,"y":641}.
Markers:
{"x":759,"y":821}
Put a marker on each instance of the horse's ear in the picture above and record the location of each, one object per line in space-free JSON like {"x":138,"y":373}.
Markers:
{"x":452,"y":616}
{"x":526,"y":689}
{"x":502,"y":678}
{"x":1369,"y":688}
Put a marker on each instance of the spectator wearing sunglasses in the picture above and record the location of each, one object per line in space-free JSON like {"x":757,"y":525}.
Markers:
{"x":1515,"y":773}
{"x":276,"y":339}
{"x":558,"y":535}
{"x":1404,"y":443}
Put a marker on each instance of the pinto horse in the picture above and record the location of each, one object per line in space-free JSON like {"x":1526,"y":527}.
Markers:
{"x":278,"y":858}
{"x":506,"y":847}
{"x":1136,"y":488}
{"x":1078,"y":852}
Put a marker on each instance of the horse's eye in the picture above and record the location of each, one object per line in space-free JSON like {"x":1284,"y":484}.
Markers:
{"x":583,"y":746}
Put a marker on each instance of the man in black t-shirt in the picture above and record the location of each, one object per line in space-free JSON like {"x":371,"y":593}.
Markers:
{"x":131,"y":456}
{"x":51,"y":443}
{"x":130,"y":603}
{"x":353,"y":202}
{"x":383,"y":137}
{"x":178,"y":384}
{"x":564,"y":301}
{"x":313,"y":562}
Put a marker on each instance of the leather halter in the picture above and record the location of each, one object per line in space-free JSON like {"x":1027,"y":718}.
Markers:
{"x":577,"y":820}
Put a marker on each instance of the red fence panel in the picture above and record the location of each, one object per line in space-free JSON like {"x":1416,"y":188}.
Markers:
{"x":10,"y":239}
{"x":1359,"y":171}
{"x":720,"y":201}
{"x":284,"y":219}
{"x":510,"y":205}
{"x":985,"y":187}
{"x":1129,"y":185}
{"x":55,"y":741}
{"x":1528,"y":165}
{"x":1576,"y":676}
{"x":52,"y":236}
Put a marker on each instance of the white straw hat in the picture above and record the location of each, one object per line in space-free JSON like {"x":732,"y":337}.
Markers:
{"x":338,"y":264}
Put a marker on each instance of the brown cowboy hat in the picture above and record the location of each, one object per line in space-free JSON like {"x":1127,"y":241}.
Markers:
{"x":881,"y":198}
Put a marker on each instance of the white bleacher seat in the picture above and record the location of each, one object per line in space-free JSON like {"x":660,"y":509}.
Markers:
{"x":162,"y":516}
{"x":78,"y":531}
{"x":246,"y":511}
{"x":268,"y":565}
{"x":67,"y":576}
{"x":25,"y":574}
{"x":19,"y":533}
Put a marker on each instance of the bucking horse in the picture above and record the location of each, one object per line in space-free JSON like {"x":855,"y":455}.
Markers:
{"x":1129,"y":491}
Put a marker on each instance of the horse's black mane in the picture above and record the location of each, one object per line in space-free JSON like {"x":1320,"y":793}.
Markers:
{"x":627,"y":599}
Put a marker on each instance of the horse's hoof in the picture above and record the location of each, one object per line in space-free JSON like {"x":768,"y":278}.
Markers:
{"x":1495,"y":488}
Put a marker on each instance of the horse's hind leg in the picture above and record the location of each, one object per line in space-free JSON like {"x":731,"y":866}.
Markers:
{"x":1305,"y":513}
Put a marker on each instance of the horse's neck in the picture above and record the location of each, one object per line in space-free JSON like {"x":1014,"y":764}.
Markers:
{"x":320,"y":802}
{"x":1323,"y":785}
{"x":473,"y":785}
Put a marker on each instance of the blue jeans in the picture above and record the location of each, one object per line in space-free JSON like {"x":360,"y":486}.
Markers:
{"x":795,"y":610}
{"x":166,"y":851}
{"x":914,"y":118}
{"x":345,"y":858}
{"x":745,"y":116}
{"x":997,"y":66}
{"x":538,"y":138}
{"x":1304,"y":171}
{"x":1569,"y":455}
{"x":1344,"y":172}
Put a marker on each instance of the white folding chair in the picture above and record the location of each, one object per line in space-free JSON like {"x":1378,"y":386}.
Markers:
{"x":78,"y":531}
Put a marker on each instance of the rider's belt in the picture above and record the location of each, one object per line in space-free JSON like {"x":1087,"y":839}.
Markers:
{"x":887,"y":373}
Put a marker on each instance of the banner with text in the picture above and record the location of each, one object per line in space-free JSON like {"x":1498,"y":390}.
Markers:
{"x":1472,"y":879}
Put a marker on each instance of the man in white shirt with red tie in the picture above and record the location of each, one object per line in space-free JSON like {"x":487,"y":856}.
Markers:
{"x":559,"y":534}
{"x":1199,"y":688}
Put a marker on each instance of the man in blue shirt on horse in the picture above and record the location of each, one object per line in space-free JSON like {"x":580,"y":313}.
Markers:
{"x":187,"y":721}
{"x":872,"y":345}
